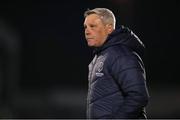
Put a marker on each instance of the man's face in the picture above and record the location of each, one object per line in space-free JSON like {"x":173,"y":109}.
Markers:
{"x":95,"y":31}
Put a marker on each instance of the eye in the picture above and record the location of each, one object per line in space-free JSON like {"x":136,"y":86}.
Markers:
{"x":92,"y":26}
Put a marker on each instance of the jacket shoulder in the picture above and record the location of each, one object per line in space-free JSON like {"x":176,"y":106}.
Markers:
{"x":123,"y":55}
{"x":119,"y":51}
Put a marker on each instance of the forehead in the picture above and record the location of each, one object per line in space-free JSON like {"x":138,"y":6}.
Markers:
{"x":92,"y":18}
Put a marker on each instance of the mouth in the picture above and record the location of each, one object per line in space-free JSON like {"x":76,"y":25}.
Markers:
{"x":89,"y":38}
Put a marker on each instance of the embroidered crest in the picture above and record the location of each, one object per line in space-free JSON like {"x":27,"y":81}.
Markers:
{"x":96,"y":67}
{"x":99,"y":65}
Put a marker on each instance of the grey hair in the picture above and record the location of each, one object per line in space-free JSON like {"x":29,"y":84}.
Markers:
{"x":106,"y":15}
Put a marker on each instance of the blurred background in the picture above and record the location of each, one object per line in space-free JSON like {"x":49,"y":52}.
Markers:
{"x":44,"y":56}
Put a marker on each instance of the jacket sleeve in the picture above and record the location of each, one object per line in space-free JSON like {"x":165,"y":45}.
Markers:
{"x":129,"y":74}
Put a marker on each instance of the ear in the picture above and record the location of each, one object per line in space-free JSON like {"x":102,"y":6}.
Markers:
{"x":109,"y":28}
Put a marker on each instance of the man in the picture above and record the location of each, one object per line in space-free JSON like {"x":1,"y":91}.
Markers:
{"x":117,"y":85}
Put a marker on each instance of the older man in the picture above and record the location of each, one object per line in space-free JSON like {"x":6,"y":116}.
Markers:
{"x":117,"y":83}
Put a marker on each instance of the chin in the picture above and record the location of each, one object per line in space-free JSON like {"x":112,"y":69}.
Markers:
{"x":91,"y":45}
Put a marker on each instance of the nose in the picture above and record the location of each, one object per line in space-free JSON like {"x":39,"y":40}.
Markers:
{"x":87,"y":32}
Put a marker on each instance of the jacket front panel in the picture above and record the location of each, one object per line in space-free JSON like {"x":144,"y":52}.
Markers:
{"x":102,"y":88}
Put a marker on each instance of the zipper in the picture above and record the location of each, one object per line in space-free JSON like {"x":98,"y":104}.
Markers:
{"x":89,"y":84}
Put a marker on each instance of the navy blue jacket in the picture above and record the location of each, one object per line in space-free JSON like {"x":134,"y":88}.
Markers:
{"x":117,"y":82}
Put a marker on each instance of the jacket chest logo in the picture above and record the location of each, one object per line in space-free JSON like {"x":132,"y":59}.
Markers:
{"x":96,"y":67}
{"x":99,"y":66}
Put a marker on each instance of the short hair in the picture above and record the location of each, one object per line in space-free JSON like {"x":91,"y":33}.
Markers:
{"x":106,"y":15}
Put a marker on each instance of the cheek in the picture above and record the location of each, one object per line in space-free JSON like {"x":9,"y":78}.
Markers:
{"x":101,"y":34}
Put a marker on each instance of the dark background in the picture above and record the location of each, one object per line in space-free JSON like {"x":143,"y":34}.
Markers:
{"x":44,"y":56}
